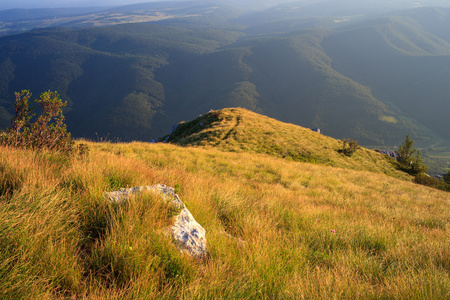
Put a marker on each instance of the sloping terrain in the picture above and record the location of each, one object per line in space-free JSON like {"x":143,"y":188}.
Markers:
{"x":105,"y":74}
{"x":287,"y":216}
{"x":240,"y":130}
{"x":275,"y":228}
{"x":287,"y":77}
{"x":404,"y":65}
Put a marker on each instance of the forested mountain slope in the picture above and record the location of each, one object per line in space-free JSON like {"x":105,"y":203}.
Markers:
{"x":373,"y":80}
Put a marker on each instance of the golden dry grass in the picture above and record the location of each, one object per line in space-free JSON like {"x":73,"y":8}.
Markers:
{"x":240,"y":130}
{"x":269,"y":225}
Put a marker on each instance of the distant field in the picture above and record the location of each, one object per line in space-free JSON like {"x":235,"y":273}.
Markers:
{"x":84,"y":21}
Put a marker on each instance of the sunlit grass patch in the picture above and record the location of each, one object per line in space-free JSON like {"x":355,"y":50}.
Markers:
{"x":276,"y":228}
{"x":388,"y":119}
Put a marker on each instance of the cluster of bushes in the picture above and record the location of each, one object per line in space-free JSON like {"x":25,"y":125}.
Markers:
{"x":45,"y":131}
{"x":425,"y":179}
{"x":410,"y":161}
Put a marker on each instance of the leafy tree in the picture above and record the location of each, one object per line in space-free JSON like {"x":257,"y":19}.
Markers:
{"x":19,"y":132}
{"x":447,"y":177}
{"x":408,"y":162}
{"x":47,"y":131}
{"x":417,"y":165}
{"x":406,"y":152}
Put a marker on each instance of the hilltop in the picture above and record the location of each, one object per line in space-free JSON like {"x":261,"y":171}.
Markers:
{"x":240,"y":130}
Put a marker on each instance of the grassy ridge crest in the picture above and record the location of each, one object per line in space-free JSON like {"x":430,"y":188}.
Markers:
{"x":240,"y":130}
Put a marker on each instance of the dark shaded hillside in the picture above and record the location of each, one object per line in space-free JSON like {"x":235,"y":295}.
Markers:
{"x":106,"y":74}
{"x":367,"y":80}
{"x":404,"y":65}
{"x":287,"y":77}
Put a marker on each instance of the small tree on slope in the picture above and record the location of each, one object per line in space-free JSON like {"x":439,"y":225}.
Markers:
{"x":47,"y":131}
{"x":408,"y":162}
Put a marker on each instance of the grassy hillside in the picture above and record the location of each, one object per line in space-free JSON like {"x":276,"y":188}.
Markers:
{"x":240,"y":130}
{"x":276,"y":228}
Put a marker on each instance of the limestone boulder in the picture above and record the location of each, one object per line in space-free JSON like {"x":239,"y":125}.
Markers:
{"x":188,"y":235}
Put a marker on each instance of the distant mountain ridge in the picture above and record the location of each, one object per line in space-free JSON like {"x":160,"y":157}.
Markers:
{"x":362,"y":79}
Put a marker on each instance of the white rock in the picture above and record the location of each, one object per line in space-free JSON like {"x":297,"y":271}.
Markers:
{"x":188,"y":235}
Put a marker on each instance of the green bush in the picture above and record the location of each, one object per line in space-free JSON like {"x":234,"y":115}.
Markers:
{"x":427,"y":180}
{"x":46,"y":131}
{"x":349,"y":147}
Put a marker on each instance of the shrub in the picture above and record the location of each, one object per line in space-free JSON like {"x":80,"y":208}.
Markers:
{"x":349,"y":147}
{"x":417,"y":166}
{"x":427,"y":180}
{"x":48,"y":129}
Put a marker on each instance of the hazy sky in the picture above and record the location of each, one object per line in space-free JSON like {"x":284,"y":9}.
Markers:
{"x":7,"y":4}
{"x":4,"y":4}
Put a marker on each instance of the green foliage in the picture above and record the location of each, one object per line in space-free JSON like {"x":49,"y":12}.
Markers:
{"x":425,"y":179}
{"x":349,"y":147}
{"x":413,"y":165}
{"x":406,"y":152}
{"x":407,"y":161}
{"x":417,"y":165}
{"x":177,"y":188}
{"x":48,"y":131}
{"x":447,"y":177}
